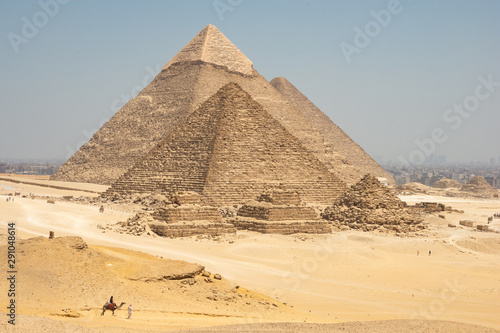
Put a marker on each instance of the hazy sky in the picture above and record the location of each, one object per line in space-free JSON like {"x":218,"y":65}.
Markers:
{"x":389,"y":73}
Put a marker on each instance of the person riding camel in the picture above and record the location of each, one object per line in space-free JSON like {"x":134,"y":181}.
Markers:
{"x":111,"y":301}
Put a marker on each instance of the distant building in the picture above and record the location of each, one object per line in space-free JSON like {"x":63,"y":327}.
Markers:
{"x":490,"y":180}
{"x":401,"y":180}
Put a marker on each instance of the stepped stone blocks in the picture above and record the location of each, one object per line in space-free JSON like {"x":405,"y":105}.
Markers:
{"x":229,"y":151}
{"x":269,"y":212}
{"x":357,"y":162}
{"x":198,"y":71}
{"x":368,"y":205}
{"x":187,"y":218}
{"x":191,"y":229}
{"x":284,"y":228}
{"x":174,"y":213}
{"x":280,"y":197}
{"x":278,"y":211}
{"x":185,"y":198}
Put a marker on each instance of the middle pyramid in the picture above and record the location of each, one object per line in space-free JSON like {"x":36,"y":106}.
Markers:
{"x":229,"y":151}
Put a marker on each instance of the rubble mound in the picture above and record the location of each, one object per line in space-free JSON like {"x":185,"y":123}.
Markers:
{"x":138,"y":225}
{"x":480,"y":187}
{"x":368,"y":205}
{"x":447,"y":183}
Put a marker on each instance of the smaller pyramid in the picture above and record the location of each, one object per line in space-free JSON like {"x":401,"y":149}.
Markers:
{"x":369,"y":193}
{"x":479,"y":186}
{"x":229,"y":151}
{"x":447,"y":183}
{"x":369,"y":205}
{"x":279,"y":211}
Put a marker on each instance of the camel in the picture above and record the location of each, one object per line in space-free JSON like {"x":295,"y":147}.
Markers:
{"x":110,"y":306}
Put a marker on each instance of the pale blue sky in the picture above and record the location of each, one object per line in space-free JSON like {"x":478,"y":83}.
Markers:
{"x":69,"y":76}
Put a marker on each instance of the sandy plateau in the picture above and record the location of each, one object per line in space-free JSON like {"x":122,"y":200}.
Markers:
{"x":345,"y":281}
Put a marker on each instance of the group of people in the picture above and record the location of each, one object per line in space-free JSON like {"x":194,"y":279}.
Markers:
{"x":418,"y":252}
{"x":497,"y":215}
{"x":9,"y":199}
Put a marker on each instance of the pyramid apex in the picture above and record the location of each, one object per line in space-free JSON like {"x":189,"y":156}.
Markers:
{"x":211,"y":46}
{"x":231,"y":86}
{"x":280,"y":79}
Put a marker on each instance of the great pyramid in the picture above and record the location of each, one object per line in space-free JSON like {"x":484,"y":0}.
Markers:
{"x":229,"y":151}
{"x":358,"y":162}
{"x":207,"y":63}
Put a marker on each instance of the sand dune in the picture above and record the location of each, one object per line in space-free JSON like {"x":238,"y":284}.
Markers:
{"x":342,"y":277}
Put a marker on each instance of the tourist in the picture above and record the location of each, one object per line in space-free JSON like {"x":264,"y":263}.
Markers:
{"x":129,"y":311}
{"x":429,"y":252}
{"x":418,"y":252}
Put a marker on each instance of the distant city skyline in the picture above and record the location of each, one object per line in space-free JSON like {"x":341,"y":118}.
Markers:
{"x":404,"y":79}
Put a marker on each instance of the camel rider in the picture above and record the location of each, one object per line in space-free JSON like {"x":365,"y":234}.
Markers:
{"x":111,"y":301}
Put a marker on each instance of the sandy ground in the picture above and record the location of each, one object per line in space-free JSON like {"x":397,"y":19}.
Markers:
{"x":342,"y":277}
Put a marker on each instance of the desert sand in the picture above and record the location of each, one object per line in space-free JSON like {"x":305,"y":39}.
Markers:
{"x":350,"y":280}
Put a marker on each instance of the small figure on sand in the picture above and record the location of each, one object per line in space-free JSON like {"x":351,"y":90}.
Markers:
{"x":429,"y":252}
{"x":101,"y":210}
{"x":418,"y":252}
{"x":129,"y":311}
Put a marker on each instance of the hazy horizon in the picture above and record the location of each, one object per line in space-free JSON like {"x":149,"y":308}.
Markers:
{"x":403,"y":79}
